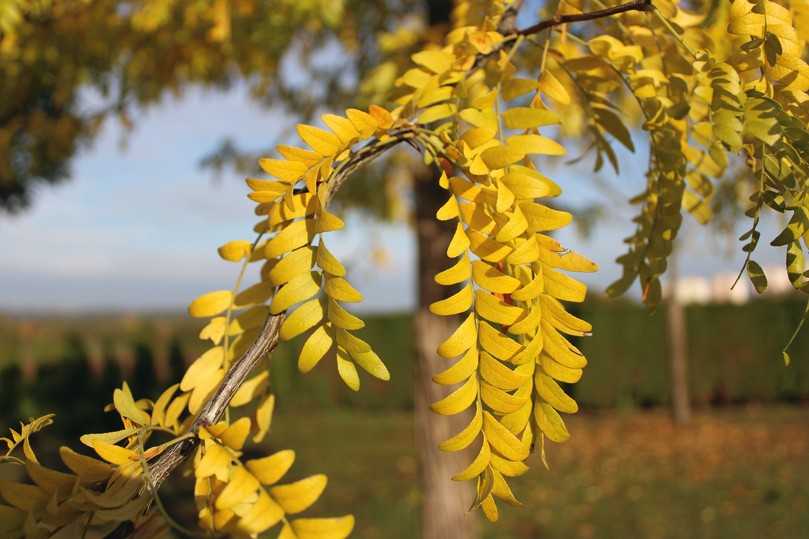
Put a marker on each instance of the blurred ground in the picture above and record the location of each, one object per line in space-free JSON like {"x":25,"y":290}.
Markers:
{"x":738,"y":472}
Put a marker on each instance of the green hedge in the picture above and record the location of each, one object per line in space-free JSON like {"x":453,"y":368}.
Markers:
{"x":734,"y":356}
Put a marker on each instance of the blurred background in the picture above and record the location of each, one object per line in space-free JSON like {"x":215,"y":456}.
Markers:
{"x":126,"y":128}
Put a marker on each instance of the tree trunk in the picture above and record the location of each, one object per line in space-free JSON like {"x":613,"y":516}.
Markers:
{"x":445,"y":503}
{"x":677,"y":340}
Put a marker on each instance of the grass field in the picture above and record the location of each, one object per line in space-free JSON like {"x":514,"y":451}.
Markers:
{"x":735,"y":473}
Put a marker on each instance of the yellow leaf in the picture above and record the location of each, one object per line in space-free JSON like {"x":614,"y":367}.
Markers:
{"x":477,"y":136}
{"x":550,"y":392}
{"x":302,"y":319}
{"x":256,"y":294}
{"x":459,"y":242}
{"x":500,"y":401}
{"x":497,"y":344}
{"x":327,"y":222}
{"x":294,"y":235}
{"x":264,"y":418}
{"x":514,"y":88}
{"x":240,"y":488}
{"x":497,"y":374}
{"x":348,"y":372}
{"x":467,"y":435}
{"x":235,"y":250}
{"x":460,"y":370}
{"x":501,"y":156}
{"x":210,"y":304}
{"x":236,"y":434}
{"x":287,"y":171}
{"x":461,"y":339}
{"x":249,"y":389}
{"x":437,"y":61}
{"x":363,"y":122}
{"x":215,"y":461}
{"x":371,"y":364}
{"x":88,"y":469}
{"x":124,"y":403}
{"x":323,"y":528}
{"x":269,"y":470}
{"x":489,"y":307}
{"x":203,"y":388}
{"x":449,"y":210}
{"x":503,"y":440}
{"x":383,"y":118}
{"x":437,"y":112}
{"x":328,"y":262}
{"x":341,"y":318}
{"x":339,"y":289}
{"x":459,"y":272}
{"x":535,"y":144}
{"x":261,"y":516}
{"x":557,"y":371}
{"x":563,"y":287}
{"x":295,"y":291}
{"x":459,"y":400}
{"x":528,"y":118}
{"x":114,"y":454}
{"x":507,"y":467}
{"x":550,"y":86}
{"x":203,"y":367}
{"x":292,"y":265}
{"x":541,"y":218}
{"x":489,"y":509}
{"x":491,"y":278}
{"x":551,"y":423}
{"x":529,"y":184}
{"x":477,"y":466}
{"x":320,"y":141}
{"x":300,"y":495}
{"x":560,"y":349}
{"x":455,"y":304}
{"x":315,"y":347}
{"x":342,"y":127}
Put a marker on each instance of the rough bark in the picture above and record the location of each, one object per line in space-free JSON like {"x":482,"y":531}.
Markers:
{"x":677,"y":341}
{"x":445,"y":502}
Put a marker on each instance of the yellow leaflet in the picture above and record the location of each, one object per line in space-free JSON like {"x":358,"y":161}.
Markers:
{"x":550,"y":392}
{"x":535,"y":144}
{"x":249,"y":319}
{"x":342,"y":127}
{"x":371,"y":364}
{"x":503,"y":440}
{"x":210,"y":304}
{"x":567,"y":260}
{"x":461,"y":339}
{"x":526,"y":183}
{"x":287,"y":171}
{"x":516,"y":422}
{"x":497,"y":374}
{"x":295,"y":291}
{"x":527,"y":251}
{"x":551,"y":423}
{"x":477,"y":466}
{"x":491,"y":308}
{"x":363,"y":122}
{"x":557,"y":371}
{"x":302,"y":319}
{"x":500,"y":401}
{"x":295,"y":153}
{"x":515,"y":226}
{"x":314,"y":349}
{"x":449,"y":210}
{"x":248,"y":390}
{"x":460,"y":371}
{"x":384,"y":119}
{"x":560,"y":349}
{"x":320,"y":528}
{"x":300,"y":495}
{"x":348,"y":371}
{"x":213,"y":330}
{"x":457,"y":303}
{"x":264,"y":418}
{"x":487,"y":248}
{"x":203,"y":367}
{"x":293,"y":206}
{"x":514,"y":88}
{"x":125,"y":405}
{"x":339,"y":289}
{"x":478,"y":136}
{"x":327,"y":222}
{"x":459,"y":400}
{"x":467,"y":435}
{"x":528,"y":118}
{"x":241,"y":488}
{"x":490,"y":509}
{"x":321,"y":141}
{"x":563,"y":287}
{"x":437,"y":61}
{"x":501,"y":156}
{"x":437,"y":94}
{"x":507,"y":467}
{"x":563,"y":320}
{"x":341,"y":318}
{"x":492,"y":279}
{"x":235,"y":250}
{"x":203,"y":388}
{"x":236,"y":434}
{"x":415,"y":78}
{"x":459,"y":272}
{"x":292,"y":236}
{"x":501,"y":490}
{"x":114,"y":454}
{"x":88,"y":469}
{"x":253,"y":295}
{"x":531,"y":290}
{"x":328,"y":262}
{"x":550,"y":86}
{"x":528,"y":323}
{"x":496,"y":343}
{"x":261,"y":516}
{"x":270,"y":470}
{"x":459,"y":242}
{"x":437,"y":112}
{"x":505,"y":198}
{"x":352,"y":344}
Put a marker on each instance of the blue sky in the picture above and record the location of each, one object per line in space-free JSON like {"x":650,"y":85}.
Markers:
{"x":137,"y":225}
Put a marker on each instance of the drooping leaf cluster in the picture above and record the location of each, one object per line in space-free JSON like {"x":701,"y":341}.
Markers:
{"x":709,"y":88}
